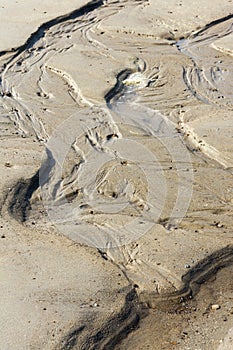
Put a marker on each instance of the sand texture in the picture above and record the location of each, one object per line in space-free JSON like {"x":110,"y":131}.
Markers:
{"x":116,"y":175}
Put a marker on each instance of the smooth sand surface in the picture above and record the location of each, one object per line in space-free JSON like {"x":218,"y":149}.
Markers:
{"x":116,"y":175}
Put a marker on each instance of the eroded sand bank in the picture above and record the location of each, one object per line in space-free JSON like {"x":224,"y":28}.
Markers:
{"x":116,"y":168}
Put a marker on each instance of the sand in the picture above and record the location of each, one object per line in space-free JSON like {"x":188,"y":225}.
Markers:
{"x":116,"y":175}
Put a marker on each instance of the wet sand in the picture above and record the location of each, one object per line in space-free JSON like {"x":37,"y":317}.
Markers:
{"x":116,"y":167}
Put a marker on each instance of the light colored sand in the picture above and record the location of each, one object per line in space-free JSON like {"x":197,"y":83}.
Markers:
{"x":227,"y":342}
{"x":19,"y":19}
{"x":165,"y":142}
{"x":224,"y":44}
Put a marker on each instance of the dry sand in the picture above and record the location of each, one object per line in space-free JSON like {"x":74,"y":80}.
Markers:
{"x":116,"y":175}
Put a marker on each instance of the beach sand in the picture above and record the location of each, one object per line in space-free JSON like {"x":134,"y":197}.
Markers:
{"x":116,"y":175}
